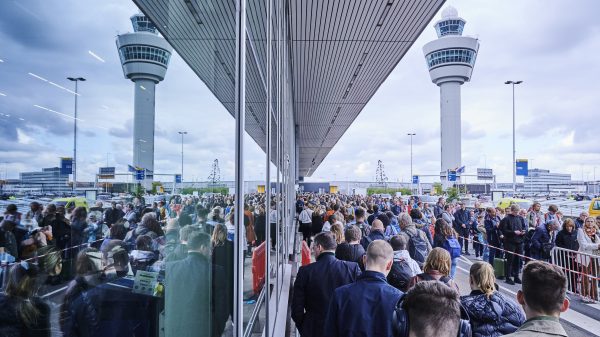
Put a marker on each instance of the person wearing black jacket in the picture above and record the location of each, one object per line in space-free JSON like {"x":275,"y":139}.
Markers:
{"x":514,"y":230}
{"x":491,"y":313}
{"x":317,"y":221}
{"x":461,"y":226}
{"x":112,"y":214}
{"x":542,"y":240}
{"x":222,"y":285}
{"x":315,"y":285}
{"x":21,"y":312}
{"x":494,"y":234}
{"x":351,"y":250}
{"x":377,"y":233}
{"x":567,"y":239}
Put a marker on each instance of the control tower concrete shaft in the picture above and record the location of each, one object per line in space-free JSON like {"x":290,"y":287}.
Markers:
{"x":450,"y":60}
{"x":145,"y":59}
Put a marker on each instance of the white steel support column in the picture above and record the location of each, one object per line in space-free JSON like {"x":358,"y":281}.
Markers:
{"x":240,"y":110}
{"x":278,"y":161}
{"x":267,"y":289}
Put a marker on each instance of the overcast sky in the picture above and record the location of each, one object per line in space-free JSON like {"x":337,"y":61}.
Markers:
{"x":551,"y":45}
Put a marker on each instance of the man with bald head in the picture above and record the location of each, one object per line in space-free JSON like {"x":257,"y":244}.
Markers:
{"x":377,"y":233}
{"x":365,"y":307}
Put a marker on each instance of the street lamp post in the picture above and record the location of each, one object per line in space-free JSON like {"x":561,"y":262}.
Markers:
{"x":412,"y":187}
{"x":182,"y":133}
{"x":514,"y":159}
{"x":74,"y":165}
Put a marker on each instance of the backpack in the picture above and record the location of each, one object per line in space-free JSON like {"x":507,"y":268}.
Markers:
{"x":400,"y":275}
{"x":365,"y":242}
{"x":130,"y":239}
{"x":527,"y":241}
{"x":417,"y":248}
{"x":452,"y":246}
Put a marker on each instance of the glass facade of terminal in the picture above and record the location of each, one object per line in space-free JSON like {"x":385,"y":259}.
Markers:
{"x":454,"y":55}
{"x":201,"y":245}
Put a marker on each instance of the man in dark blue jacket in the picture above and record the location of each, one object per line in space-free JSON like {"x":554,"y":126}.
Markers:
{"x":377,"y":233}
{"x":373,"y":216}
{"x":365,"y":308}
{"x":315,"y":284}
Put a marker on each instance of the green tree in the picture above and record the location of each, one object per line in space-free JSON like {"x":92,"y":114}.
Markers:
{"x":139,"y":190}
{"x":391,"y":191}
{"x":202,"y":190}
{"x":438,"y":189}
{"x":453,"y":194}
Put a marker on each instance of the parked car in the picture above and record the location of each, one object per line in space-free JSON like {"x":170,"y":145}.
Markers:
{"x":71,"y":202}
{"x":506,"y":202}
{"x":594,"y":209}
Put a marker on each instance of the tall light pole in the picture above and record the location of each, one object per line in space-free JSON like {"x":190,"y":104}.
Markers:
{"x":411,"y":161}
{"x":74,"y":166}
{"x":182,"y":133}
{"x":514,"y":160}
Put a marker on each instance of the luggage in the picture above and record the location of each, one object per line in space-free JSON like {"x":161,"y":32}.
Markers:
{"x":499,"y":267}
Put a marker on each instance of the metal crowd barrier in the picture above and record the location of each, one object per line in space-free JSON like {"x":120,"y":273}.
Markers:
{"x":581,"y":270}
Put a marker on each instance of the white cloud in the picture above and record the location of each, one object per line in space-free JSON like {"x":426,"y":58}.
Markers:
{"x":23,"y":138}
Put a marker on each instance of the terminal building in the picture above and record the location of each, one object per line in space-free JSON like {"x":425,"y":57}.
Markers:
{"x":49,"y":180}
{"x":540,"y":180}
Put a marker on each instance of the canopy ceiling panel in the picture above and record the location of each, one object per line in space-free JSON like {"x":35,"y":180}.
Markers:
{"x":340,"y":54}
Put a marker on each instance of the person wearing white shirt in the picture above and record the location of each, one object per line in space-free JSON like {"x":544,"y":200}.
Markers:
{"x":399,"y":245}
{"x":305,"y":219}
{"x":589,"y":243}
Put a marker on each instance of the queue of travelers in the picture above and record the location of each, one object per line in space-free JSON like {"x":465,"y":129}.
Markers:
{"x":514,"y":236}
{"x":332,"y":297}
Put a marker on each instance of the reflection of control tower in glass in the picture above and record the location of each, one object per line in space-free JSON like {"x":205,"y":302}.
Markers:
{"x":145,"y":58}
{"x":450,"y":59}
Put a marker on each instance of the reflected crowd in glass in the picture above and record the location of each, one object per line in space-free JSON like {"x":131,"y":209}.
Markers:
{"x":121,"y":268}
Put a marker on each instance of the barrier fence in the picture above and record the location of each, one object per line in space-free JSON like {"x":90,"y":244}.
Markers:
{"x":582,"y":269}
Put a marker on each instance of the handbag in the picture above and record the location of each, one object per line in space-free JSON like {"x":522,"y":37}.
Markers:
{"x":547,"y":247}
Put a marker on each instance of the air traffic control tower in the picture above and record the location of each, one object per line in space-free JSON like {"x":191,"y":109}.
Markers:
{"x":145,"y":59}
{"x":450,"y":59}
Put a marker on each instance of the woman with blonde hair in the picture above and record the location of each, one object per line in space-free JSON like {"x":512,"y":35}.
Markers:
{"x":589,"y":245}
{"x":338,"y":232}
{"x":436,"y":268}
{"x":490,"y":312}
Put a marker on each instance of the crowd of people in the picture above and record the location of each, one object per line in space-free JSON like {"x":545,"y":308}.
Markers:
{"x":377,"y":260}
{"x":85,"y":264}
{"x":373,"y":253}
{"x":506,"y":238}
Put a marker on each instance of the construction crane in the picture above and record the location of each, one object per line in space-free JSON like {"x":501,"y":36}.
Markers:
{"x":215,"y":173}
{"x":380,"y":176}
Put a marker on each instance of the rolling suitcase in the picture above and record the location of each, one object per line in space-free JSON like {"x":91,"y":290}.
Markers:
{"x":499,"y":267}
